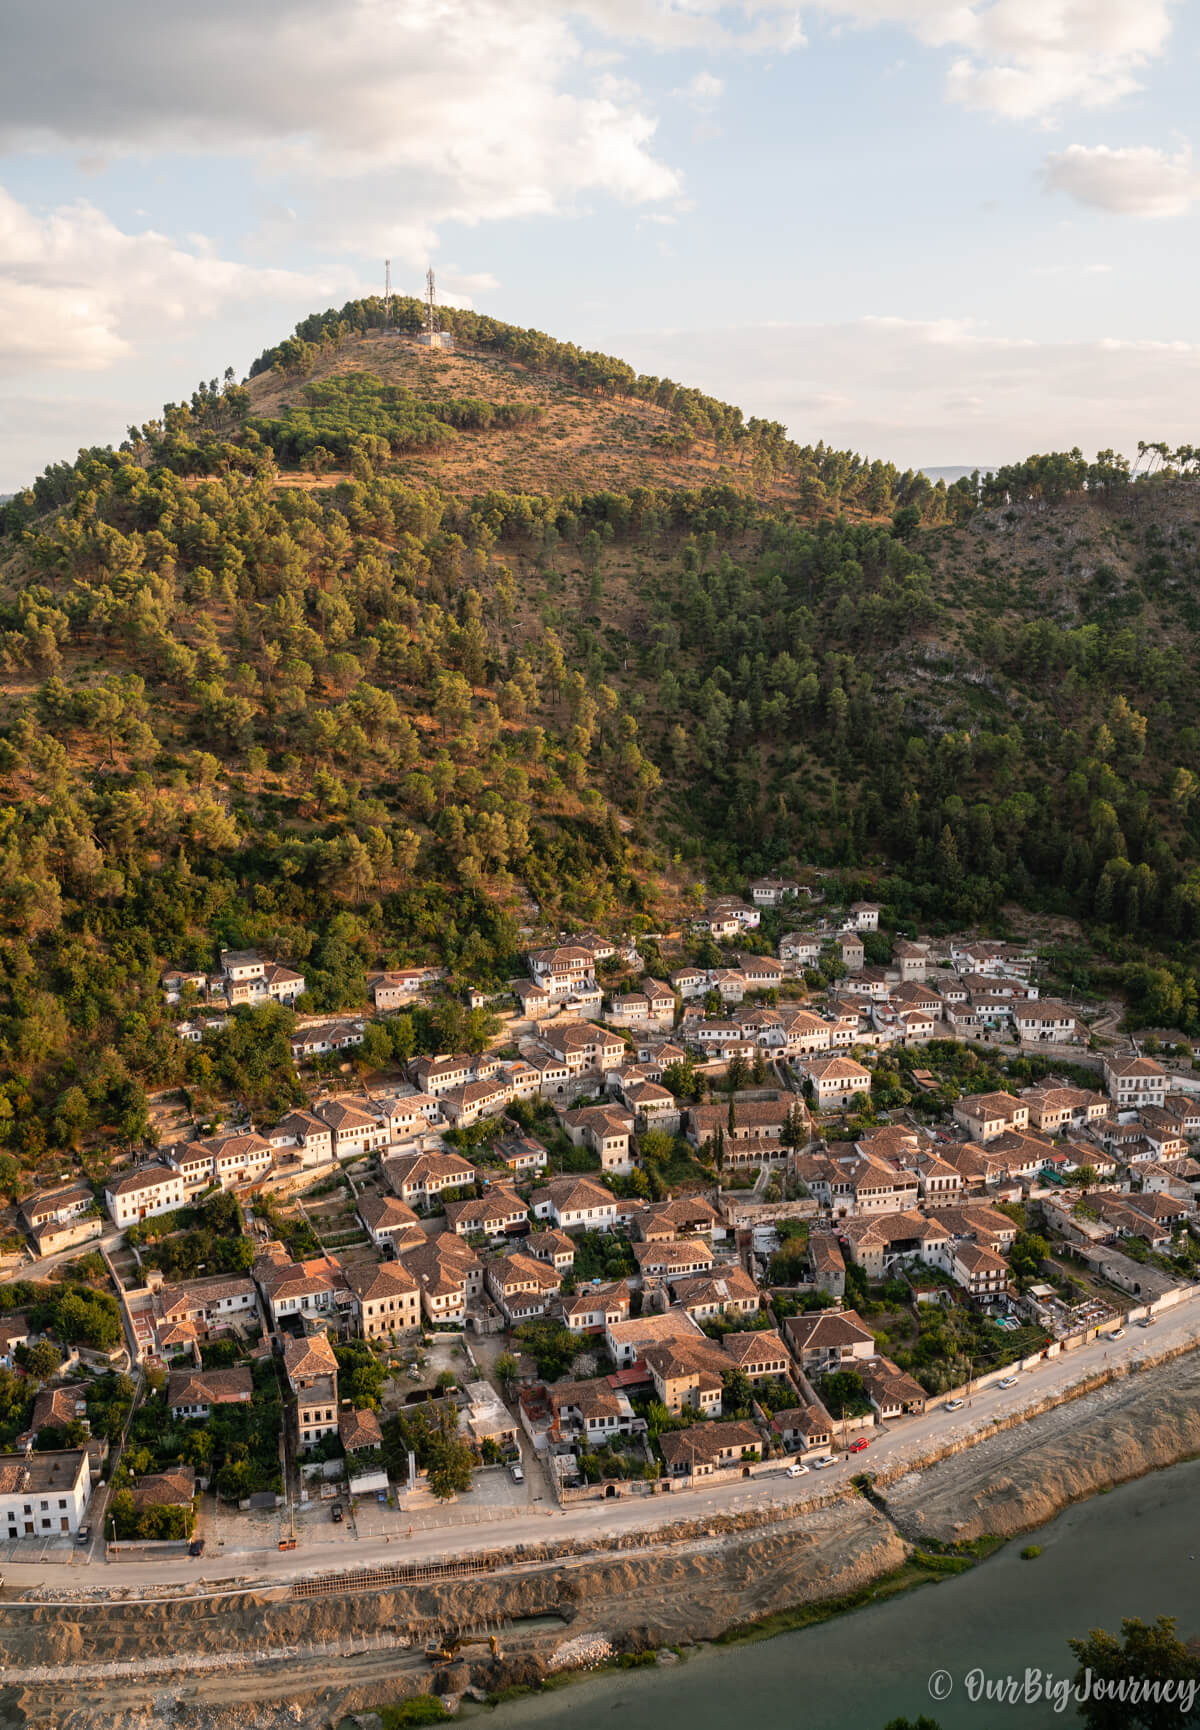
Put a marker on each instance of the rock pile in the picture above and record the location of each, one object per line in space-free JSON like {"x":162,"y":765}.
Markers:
{"x":584,"y":1652}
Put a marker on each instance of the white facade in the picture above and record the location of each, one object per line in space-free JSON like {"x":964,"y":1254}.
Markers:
{"x":140,"y":1195}
{"x":43,"y":1495}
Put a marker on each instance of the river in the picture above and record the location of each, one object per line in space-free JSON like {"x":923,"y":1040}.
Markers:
{"x":1132,"y":1552}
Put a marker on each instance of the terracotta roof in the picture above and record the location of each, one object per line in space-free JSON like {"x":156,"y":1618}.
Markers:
{"x":837,"y":1068}
{"x":209,"y":1387}
{"x":702,"y":1444}
{"x":523,"y":1270}
{"x":311,"y":1356}
{"x":730,"y":1285}
{"x":806,"y":1420}
{"x":385,"y":1212}
{"x":415,"y":1168}
{"x":173,"y":1488}
{"x":673,"y":1254}
{"x":574,"y":1192}
{"x":595,"y":1298}
{"x":372,"y":1280}
{"x":145,"y":1177}
{"x":359,"y":1430}
{"x":823,"y":1329}
{"x":757,"y":1347}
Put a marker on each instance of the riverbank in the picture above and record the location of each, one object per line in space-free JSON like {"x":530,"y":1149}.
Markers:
{"x":752,"y":1573}
{"x":1126,"y":1553}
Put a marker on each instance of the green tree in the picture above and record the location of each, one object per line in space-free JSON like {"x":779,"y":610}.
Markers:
{"x":1028,"y":1252}
{"x":1144,"y":1652}
{"x":450,"y":1461}
{"x":39,"y":1360}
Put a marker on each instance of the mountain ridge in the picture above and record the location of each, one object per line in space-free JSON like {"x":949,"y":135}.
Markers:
{"x":404,"y":700}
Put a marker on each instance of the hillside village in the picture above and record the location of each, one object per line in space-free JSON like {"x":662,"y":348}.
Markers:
{"x":691,"y":1209}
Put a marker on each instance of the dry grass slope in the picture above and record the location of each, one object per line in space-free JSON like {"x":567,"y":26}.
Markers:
{"x":583,"y":443}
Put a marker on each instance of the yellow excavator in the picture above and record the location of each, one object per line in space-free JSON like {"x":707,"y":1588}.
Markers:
{"x":441,"y":1651}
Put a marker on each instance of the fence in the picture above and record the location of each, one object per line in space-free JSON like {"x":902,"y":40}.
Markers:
{"x":171,"y":1664}
{"x":373,"y":1579}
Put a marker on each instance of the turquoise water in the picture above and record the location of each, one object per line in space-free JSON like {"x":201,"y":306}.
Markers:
{"x":1133,"y":1552}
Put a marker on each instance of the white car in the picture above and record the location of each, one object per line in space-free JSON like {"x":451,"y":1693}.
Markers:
{"x":1008,"y":1382}
{"x":955,"y":1405}
{"x":518,"y":1474}
{"x":797,"y":1471}
{"x":824,"y":1460}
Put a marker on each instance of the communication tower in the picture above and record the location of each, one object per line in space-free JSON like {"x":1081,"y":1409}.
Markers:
{"x":431,"y":336}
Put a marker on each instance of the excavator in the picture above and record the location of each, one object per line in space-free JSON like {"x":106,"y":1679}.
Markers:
{"x":442,"y":1650}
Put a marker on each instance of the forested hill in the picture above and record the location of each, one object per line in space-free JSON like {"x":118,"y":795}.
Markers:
{"x":388,"y":654}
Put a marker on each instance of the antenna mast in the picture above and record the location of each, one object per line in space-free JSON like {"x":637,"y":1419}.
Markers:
{"x":387,"y":295}
{"x":430,"y":305}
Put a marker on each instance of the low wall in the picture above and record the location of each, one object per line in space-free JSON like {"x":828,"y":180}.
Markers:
{"x":145,"y":1549}
{"x":1070,"y":1343}
{"x":752,"y":1213}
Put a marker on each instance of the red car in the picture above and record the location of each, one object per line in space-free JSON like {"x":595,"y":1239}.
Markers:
{"x":858,"y":1446}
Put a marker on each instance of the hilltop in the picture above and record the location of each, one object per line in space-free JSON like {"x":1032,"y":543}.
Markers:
{"x":574,"y":440}
{"x":389,"y":655}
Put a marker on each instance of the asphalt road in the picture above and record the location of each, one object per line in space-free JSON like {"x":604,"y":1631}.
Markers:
{"x":469,"y":1525}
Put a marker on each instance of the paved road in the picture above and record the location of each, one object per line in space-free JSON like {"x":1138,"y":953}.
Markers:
{"x":471,"y":1527}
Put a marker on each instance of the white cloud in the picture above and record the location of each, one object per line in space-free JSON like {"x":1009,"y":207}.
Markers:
{"x":1029,"y":59}
{"x":1133,"y":181}
{"x":703,"y":92}
{"x":77,"y":292}
{"x":392,"y":117}
{"x":939,"y":391}
{"x":469,"y":109}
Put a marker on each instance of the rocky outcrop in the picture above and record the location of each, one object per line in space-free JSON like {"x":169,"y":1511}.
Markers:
{"x":1022,"y":1477}
{"x":651,"y":1597}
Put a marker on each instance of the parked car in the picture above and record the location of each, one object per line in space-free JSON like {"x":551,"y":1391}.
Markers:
{"x":335,"y":1513}
{"x":955,"y":1405}
{"x":824,"y":1460}
{"x":858,"y":1446}
{"x":518,"y":1472}
{"x":83,"y":1535}
{"x":1008,"y":1382}
{"x":797,"y":1471}
{"x":196,"y":1547}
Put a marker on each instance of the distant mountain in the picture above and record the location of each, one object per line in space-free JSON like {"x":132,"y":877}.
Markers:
{"x":952,"y":474}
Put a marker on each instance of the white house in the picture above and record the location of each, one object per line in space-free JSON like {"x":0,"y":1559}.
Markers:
{"x":1134,"y":1081}
{"x":835,"y":1080}
{"x":43,"y":1495}
{"x":140,"y":1194}
{"x":576,"y":1204}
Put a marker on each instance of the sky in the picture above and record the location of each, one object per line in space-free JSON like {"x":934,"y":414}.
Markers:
{"x":944,"y":232}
